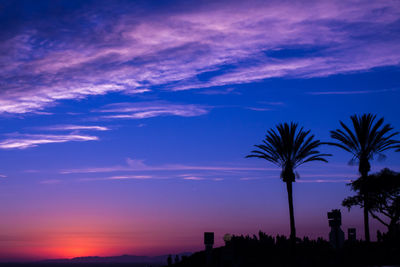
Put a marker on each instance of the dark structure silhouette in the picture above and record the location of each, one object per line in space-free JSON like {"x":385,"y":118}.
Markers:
{"x":351,"y":234}
{"x":208,"y":242}
{"x":336,"y":235}
{"x":366,"y":140}
{"x":289,"y":147}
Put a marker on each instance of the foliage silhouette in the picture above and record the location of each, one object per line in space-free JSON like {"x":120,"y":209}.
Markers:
{"x":367,"y":140}
{"x":265,"y":250}
{"x":384,"y":198}
{"x":289,"y":147}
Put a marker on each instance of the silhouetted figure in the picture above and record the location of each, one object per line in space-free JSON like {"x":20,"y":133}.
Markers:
{"x":351,"y":234}
{"x":367,"y":140}
{"x":289,"y":147}
{"x":169,"y":260}
{"x":208,"y":242}
{"x":336,"y":235}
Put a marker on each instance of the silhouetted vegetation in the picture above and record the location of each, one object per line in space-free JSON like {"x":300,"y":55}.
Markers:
{"x":384,"y":200}
{"x":367,"y":140}
{"x":264,"y":250}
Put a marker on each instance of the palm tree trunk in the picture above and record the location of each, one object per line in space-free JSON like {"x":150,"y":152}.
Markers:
{"x":364,"y":166}
{"x":366,"y":218}
{"x":291,"y":213}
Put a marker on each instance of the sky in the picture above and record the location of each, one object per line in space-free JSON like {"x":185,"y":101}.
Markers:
{"x":124,"y":125}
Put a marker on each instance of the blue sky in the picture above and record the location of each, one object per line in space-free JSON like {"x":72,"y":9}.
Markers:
{"x":143,"y":112}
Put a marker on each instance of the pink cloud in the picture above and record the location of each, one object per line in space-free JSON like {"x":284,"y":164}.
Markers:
{"x":170,"y":52}
{"x":135,"y":165}
{"x":193,"y":178}
{"x":75,"y":128}
{"x":325,"y":181}
{"x":152,"y":109}
{"x":32,"y":140}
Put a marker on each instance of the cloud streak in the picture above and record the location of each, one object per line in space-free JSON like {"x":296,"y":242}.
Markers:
{"x":137,"y":165}
{"x":325,"y":181}
{"x":75,"y":128}
{"x":190,"y":48}
{"x":146,"y":110}
{"x":24,"y":141}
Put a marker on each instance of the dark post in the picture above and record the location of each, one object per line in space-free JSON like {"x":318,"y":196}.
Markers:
{"x":336,"y":235}
{"x":208,"y":242}
{"x":351,"y":234}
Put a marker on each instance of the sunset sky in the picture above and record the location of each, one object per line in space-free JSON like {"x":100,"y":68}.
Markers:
{"x":124,"y":125}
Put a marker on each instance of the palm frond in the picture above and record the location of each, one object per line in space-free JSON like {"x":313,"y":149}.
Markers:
{"x":288,"y":146}
{"x":367,"y":137}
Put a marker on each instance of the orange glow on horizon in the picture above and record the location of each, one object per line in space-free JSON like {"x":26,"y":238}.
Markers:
{"x":74,"y":247}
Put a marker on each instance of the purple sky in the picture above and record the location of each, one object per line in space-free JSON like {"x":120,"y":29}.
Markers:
{"x":124,"y":124}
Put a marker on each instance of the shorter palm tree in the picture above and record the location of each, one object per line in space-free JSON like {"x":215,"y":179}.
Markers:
{"x":289,"y":148}
{"x":367,"y":140}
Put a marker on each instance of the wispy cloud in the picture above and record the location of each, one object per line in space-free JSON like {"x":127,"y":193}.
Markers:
{"x":188,"y":177}
{"x":193,"y":178}
{"x":259,"y":109}
{"x":167,"y":167}
{"x":220,"y":91}
{"x":331,"y":175}
{"x":75,"y":128}
{"x":351,"y":92}
{"x":118,"y":177}
{"x":325,"y":181}
{"x":138,"y":169}
{"x":124,"y":177}
{"x":24,"y":141}
{"x":138,"y":165}
{"x":143,"y":110}
{"x":190,"y":48}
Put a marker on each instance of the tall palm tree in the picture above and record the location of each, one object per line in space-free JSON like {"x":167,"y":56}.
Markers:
{"x":289,"y":148}
{"x":367,"y":139}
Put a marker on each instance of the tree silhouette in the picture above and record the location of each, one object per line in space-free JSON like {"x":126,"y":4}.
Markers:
{"x":367,"y":140}
{"x":384,"y":197}
{"x":289,"y":148}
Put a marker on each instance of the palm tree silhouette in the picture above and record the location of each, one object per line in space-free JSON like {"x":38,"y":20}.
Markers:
{"x":365,"y":141}
{"x":288,"y":149}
